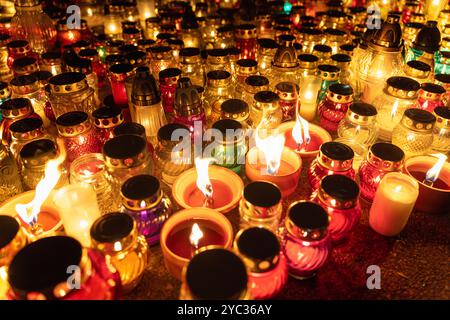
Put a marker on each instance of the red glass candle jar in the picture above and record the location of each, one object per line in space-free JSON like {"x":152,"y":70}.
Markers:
{"x":305,"y":239}
{"x":105,"y":120}
{"x":267,"y":267}
{"x":333,"y":109}
{"x":19,"y":49}
{"x":118,"y":74}
{"x":382,"y":158}
{"x":79,"y":138}
{"x":97,"y":66}
{"x":333,"y":158}
{"x":66,"y":36}
{"x":338,"y":195}
{"x":288,"y":93}
{"x":13,"y":110}
{"x":168,"y":79}
{"x":40,"y":272}
{"x":430,"y":96}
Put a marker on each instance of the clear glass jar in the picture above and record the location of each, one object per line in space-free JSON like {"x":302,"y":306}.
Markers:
{"x":192,"y":37}
{"x":253,"y":85}
{"x":10,"y":182}
{"x":339,"y":196}
{"x":309,"y":37}
{"x":285,"y":66}
{"x":310,"y":83}
{"x":329,"y":74}
{"x":116,"y":236}
{"x":414,"y":133}
{"x":245,"y":35}
{"x":161,"y":58}
{"x":399,"y":94}
{"x":266,"y":110}
{"x":66,"y":37}
{"x":260,"y":211}
{"x":19,"y":49}
{"x":244,"y":69}
{"x":266,"y":52}
{"x":268,"y":272}
{"x":323,"y":52}
{"x":335,"y":38}
{"x":335,"y":106}
{"x":342,"y":61}
{"x":441,"y":131}
{"x":25,"y":65}
{"x":430,"y":96}
{"x":225,"y":37}
{"x":305,"y":241}
{"x":143,"y":199}
{"x":33,"y":157}
{"x":192,"y":67}
{"x":218,"y":89}
{"x":218,"y":59}
{"x":418,"y":70}
{"x":97,"y":67}
{"x":24,"y":131}
{"x":51,"y":61}
{"x":6,"y":73}
{"x":168,"y":79}
{"x":152,"y":27}
{"x":334,"y":158}
{"x":70,"y":91}
{"x":235,"y":109}
{"x":359,"y":124}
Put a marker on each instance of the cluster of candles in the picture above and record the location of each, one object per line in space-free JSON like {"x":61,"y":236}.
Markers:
{"x":83,"y":173}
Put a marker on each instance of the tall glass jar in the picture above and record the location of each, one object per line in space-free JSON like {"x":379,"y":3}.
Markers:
{"x":338,"y":195}
{"x":116,"y":236}
{"x":253,"y":85}
{"x":168,"y":79}
{"x":305,"y":239}
{"x":161,"y":58}
{"x":359,"y":124}
{"x":329,"y":74}
{"x":218,"y":59}
{"x":75,"y":129}
{"x":98,"y":68}
{"x":70,"y":91}
{"x":399,"y":94}
{"x":143,"y":199}
{"x":244,"y":69}
{"x":245,"y":35}
{"x":441,"y":131}
{"x":418,"y":70}
{"x":288,"y":93}
{"x":260,"y":206}
{"x":310,"y":83}
{"x":268,"y":272}
{"x":334,"y":108}
{"x":266,"y":52}
{"x":266,"y":108}
{"x":118,"y":74}
{"x":192,"y":67}
{"x":126,"y":156}
{"x":10,"y":182}
{"x":334,"y":158}
{"x":430,"y":96}
{"x":34,"y":156}
{"x":414,"y":133}
{"x":218,"y":89}
{"x":24,"y":131}
{"x":105,"y":120}
{"x":52,"y":257}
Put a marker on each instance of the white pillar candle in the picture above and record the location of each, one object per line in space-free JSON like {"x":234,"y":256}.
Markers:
{"x":394,"y":200}
{"x":78,"y":209}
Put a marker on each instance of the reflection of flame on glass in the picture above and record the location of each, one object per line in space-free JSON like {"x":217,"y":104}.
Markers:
{"x":394,"y":109}
{"x":196,"y":235}
{"x":300,"y":132}
{"x":433,"y":173}
{"x":203,"y":182}
{"x":272,"y":148}
{"x":398,"y":189}
{"x":29,"y":212}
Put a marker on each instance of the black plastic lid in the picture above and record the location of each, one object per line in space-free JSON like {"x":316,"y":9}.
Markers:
{"x":335,"y":32}
{"x":306,"y":57}
{"x":262,"y":194}
{"x":17,"y":44}
{"x":322,"y":48}
{"x":146,"y":42}
{"x":160,"y":49}
{"x":38,"y":149}
{"x":189,"y":52}
{"x":250,"y":240}
{"x":266,"y":97}
{"x":114,"y":58}
{"x":419,"y":65}
{"x":225,"y":28}
{"x":442,"y":77}
{"x":288,"y":87}
{"x":225,"y":125}
{"x":216,"y":274}
{"x":23,"y":62}
{"x":247,"y":63}
{"x":341,"y":57}
{"x":308,"y":215}
{"x":67,"y":78}
{"x":133,"y":57}
{"x":233,"y":51}
{"x":175,"y":42}
{"x":218,"y":52}
{"x":347,"y":47}
{"x":257,"y":81}
{"x":234,"y":106}
{"x":443,"y":112}
{"x":42,"y":75}
{"x":106,"y":112}
{"x":363,"y":109}
{"x":127,"y":48}
{"x":387,"y":151}
{"x":165,"y":132}
{"x":403,"y":83}
{"x":120,"y":68}
{"x":80,"y":65}
{"x":43,"y":264}
{"x":140,"y":187}
{"x":130,"y":30}
{"x":218,"y":75}
{"x":337,"y":151}
{"x":23,"y":80}
{"x":16,"y":103}
{"x":8,"y":229}
{"x":341,"y":89}
{"x":433,"y":88}
{"x":26,"y":125}
{"x":72,"y":118}
{"x":429,"y":38}
{"x":169,"y":73}
{"x":127,"y":128}
{"x":124,"y":146}
{"x":340,"y":187}
{"x":81,"y":44}
{"x":109,"y":101}
{"x":267,"y":43}
{"x":420,"y":115}
{"x":246,"y":26}
{"x":311,"y":31}
{"x":328,"y":68}
{"x":88,"y":53}
{"x":111,"y":227}
{"x":286,"y":38}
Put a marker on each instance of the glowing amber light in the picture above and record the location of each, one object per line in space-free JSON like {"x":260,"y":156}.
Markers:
{"x":195,"y":236}
{"x":203,"y":182}
{"x":272,"y":148}
{"x":433,"y":173}
{"x":300,"y":133}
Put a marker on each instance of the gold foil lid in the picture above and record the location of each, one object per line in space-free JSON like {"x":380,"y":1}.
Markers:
{"x":27,"y":129}
{"x":339,"y":192}
{"x":24,"y":84}
{"x":328,"y":72}
{"x":16,"y":108}
{"x":335,"y":156}
{"x":246,"y":31}
{"x":218,"y":56}
{"x":287,"y":90}
{"x":442,"y":115}
{"x":106,"y":117}
{"x":386,"y":156}
{"x":68,"y":82}
{"x":431,"y":91}
{"x":246,"y":67}
{"x":141,"y":192}
{"x":125,"y":151}
{"x":340,"y":93}
{"x":235,"y":109}
{"x":19,"y":47}
{"x":5,"y":92}
{"x":307,"y":221}
{"x":417,"y":69}
{"x":72,"y":124}
{"x":218,"y":78}
{"x":261,"y":200}
{"x":402,"y":87}
{"x":418,"y":120}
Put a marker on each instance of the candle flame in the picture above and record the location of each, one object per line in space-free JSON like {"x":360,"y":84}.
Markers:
{"x":203,"y":182}
{"x":29,"y":212}
{"x":196,"y":235}
{"x":433,"y":173}
{"x":300,"y":124}
{"x":272,"y":148}
{"x":394,"y":109}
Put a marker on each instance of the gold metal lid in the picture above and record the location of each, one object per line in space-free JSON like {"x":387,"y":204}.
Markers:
{"x":17,"y":47}
{"x":125,"y":151}
{"x":402,"y":87}
{"x":340,"y":93}
{"x":386,"y":156}
{"x":27,"y":129}
{"x":418,"y":120}
{"x":431,"y":91}
{"x":417,"y":69}
{"x":339,"y":192}
{"x":68,"y":82}
{"x":121,"y":71}
{"x":73,"y":123}
{"x":5,"y":92}
{"x":16,"y":108}
{"x":218,"y":78}
{"x":24,"y":84}
{"x":328,"y":72}
{"x":285,"y":57}
{"x":235,"y":109}
{"x":246,"y":31}
{"x":261,"y":200}
{"x":362,"y":113}
{"x":141,"y":192}
{"x":335,"y":156}
{"x":217,"y":56}
{"x":287,"y":91}
{"x":106,"y":117}
{"x":307,"y":221}
{"x":246,"y":66}
{"x":37,"y":153}
{"x":442,"y":115}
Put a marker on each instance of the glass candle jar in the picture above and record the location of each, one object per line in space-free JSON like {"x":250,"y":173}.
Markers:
{"x":334,"y":108}
{"x":443,"y":64}
{"x":51,"y":258}
{"x":329,"y":74}
{"x":118,"y":74}
{"x":66,"y":36}
{"x":266,"y":52}
{"x":217,"y":266}
{"x":335,"y":38}
{"x":323,"y":52}
{"x":98,"y":68}
{"x":268,"y":272}
{"x":24,"y":131}
{"x":168,"y":79}
{"x":244,"y":69}
{"x":399,"y":94}
{"x":116,"y":236}
{"x":441,"y":131}
{"x":218,"y":89}
{"x":75,"y":129}
{"x":70,"y":91}
{"x":245,"y":35}
{"x":304,"y":239}
{"x":25,"y":65}
{"x":260,"y":206}
{"x":338,"y":195}
{"x":225,"y":37}
{"x":382,"y":158}
{"x":126,"y":156}
{"x":105,"y":120}
{"x":430,"y":96}
{"x":342,"y":61}
{"x":143,"y":199}
{"x":192,"y":67}
{"x":266,"y":108}
{"x":218,"y":59}
{"x":161,"y":58}
{"x":19,"y":49}
{"x":6,"y":73}
{"x":418,"y":70}
{"x":333,"y":158}
{"x":414,"y":133}
{"x":10,"y":182}
{"x":131,"y":35}
{"x":359,"y":124}
{"x":285,"y":66}
{"x":235,"y":109}
{"x":33,"y":157}
{"x":288,"y":93}
{"x":253,"y":85}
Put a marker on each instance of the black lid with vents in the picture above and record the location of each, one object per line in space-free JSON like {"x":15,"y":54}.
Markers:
{"x":111,"y":227}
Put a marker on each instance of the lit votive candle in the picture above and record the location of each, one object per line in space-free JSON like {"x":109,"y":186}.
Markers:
{"x":393,"y":203}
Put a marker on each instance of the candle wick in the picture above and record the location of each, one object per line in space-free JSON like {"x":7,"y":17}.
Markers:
{"x":209,"y":202}
{"x":36,"y":229}
{"x":428,"y":182}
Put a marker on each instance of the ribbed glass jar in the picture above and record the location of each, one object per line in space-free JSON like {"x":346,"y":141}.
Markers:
{"x":10,"y":182}
{"x":218,"y":89}
{"x":266,"y":109}
{"x":441,"y":131}
{"x":253,"y":85}
{"x":359,"y":124}
{"x":192,"y":67}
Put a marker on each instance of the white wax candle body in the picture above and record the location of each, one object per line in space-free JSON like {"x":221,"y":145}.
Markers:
{"x":393,"y":203}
